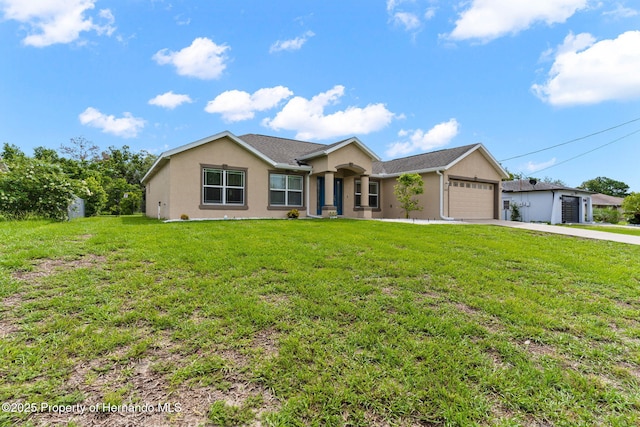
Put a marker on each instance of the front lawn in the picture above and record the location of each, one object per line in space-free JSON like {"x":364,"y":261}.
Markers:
{"x":315,"y":322}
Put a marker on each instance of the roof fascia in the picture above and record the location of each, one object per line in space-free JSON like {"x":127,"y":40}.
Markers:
{"x":292,"y":167}
{"x":164,"y":157}
{"x":344,"y":143}
{"x":397,"y":174}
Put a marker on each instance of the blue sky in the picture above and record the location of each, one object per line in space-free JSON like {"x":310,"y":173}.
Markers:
{"x":404,"y":76}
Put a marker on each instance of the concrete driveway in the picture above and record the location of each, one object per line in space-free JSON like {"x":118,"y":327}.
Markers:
{"x":567,"y":231}
{"x":545,"y":228}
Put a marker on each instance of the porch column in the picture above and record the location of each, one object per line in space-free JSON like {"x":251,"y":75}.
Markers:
{"x":364,"y":191}
{"x":589,"y":209}
{"x":328,"y":194}
{"x":556,"y":209}
{"x":364,"y":197}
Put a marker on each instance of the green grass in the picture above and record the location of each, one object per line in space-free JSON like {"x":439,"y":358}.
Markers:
{"x":611,"y":229}
{"x":319,"y":322}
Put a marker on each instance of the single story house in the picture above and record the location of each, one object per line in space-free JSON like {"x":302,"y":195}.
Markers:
{"x":604,"y":201}
{"x":259,"y":176}
{"x":546,"y":202}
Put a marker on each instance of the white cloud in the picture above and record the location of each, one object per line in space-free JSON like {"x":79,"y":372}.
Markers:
{"x":202,"y":59}
{"x":420,"y":141}
{"x":409,"y":16}
{"x":534,"y":167}
{"x":293,"y":44}
{"x":586,"y":72}
{"x":237,"y":105}
{"x":408,"y":20}
{"x":622,"y":11}
{"x":308,"y":118}
{"x":56,"y":21}
{"x":125,"y":127}
{"x":489,"y":19}
{"x":170,"y":100}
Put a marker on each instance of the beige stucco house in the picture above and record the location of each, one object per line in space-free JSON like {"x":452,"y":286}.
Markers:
{"x":258,"y":176}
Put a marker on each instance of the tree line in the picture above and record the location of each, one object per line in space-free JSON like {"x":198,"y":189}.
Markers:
{"x":45,"y":184}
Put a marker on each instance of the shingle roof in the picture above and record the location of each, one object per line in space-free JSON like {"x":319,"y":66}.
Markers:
{"x":525,"y":185}
{"x":432,"y":160}
{"x":606,"y":200}
{"x":281,"y":150}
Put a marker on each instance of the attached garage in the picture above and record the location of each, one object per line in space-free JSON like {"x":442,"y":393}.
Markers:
{"x":471,"y":200}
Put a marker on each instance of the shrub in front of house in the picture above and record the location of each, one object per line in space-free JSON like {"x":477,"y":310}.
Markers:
{"x":608,"y":215}
{"x":515,"y":213}
{"x":293,"y":214}
{"x":631,"y":208}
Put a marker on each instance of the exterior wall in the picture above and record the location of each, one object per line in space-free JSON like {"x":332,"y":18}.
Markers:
{"x":534,"y":206}
{"x":350,"y":154}
{"x":186,"y":183}
{"x":545,"y":206}
{"x":158,"y":193}
{"x":475,"y":165}
{"x":429,"y":200}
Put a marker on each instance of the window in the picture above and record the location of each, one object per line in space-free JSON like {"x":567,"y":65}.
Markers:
{"x":374,"y":195}
{"x":222,"y":187}
{"x":285,"y":190}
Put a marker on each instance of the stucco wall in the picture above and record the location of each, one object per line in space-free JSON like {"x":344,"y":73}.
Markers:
{"x":534,"y":206}
{"x":186,"y":182}
{"x":350,"y":154}
{"x":429,"y":200}
{"x":475,"y":165}
{"x":158,"y":193}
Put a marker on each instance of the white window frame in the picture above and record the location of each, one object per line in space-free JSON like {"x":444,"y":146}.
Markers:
{"x":358,"y":194}
{"x":287,"y":190}
{"x":224,"y":186}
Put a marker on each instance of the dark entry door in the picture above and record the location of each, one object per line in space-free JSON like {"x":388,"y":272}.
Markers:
{"x":320,"y":195}
{"x":570,"y":209}
{"x":337,"y":194}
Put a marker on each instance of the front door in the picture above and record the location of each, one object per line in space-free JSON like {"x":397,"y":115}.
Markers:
{"x":320,"y":200}
{"x":570,"y":209}
{"x":337,"y":195}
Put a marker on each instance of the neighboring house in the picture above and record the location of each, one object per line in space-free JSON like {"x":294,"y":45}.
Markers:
{"x":258,"y":176}
{"x":546,"y":202}
{"x":604,"y":201}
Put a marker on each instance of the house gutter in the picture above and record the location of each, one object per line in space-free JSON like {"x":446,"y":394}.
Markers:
{"x":446,"y":218}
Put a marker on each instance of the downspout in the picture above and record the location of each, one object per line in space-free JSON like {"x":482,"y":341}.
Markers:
{"x":446,"y":218}
{"x":308,"y":197}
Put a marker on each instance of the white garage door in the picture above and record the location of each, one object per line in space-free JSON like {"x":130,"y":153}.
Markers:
{"x":471,"y":200}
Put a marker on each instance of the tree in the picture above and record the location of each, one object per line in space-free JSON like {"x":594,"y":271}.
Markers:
{"x":606,"y":185}
{"x":96,"y":199}
{"x":46,"y":154}
{"x":408,"y":186}
{"x":11,"y":152}
{"x":122,"y":163}
{"x":81,"y":149}
{"x":631,"y":208}
{"x":35,"y":187}
{"x":122,"y":198}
